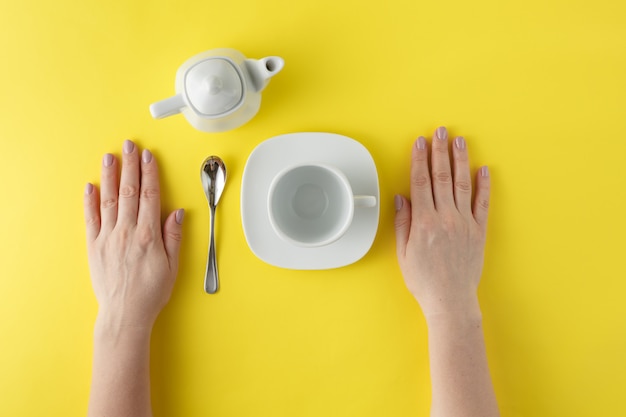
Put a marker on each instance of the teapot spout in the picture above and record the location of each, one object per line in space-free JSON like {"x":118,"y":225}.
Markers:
{"x":262,"y":70}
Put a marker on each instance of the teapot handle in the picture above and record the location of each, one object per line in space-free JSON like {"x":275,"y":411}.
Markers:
{"x":167,"y":107}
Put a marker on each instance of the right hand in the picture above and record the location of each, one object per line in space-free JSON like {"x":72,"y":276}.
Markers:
{"x":440,"y":233}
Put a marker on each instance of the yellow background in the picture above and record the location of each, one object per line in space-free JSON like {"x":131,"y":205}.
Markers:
{"x":537,"y":88}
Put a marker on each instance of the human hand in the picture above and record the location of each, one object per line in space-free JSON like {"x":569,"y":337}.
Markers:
{"x":440,"y":233}
{"x":132,"y":260}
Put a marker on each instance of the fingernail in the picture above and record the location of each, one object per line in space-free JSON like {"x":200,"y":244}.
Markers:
{"x":421,"y":143}
{"x":460,"y":142}
{"x":442,"y":133}
{"x":107,"y":160}
{"x":398,"y":202}
{"x":484,"y":171}
{"x":88,"y":189}
{"x":180,"y":215}
{"x":129,"y":146}
{"x":146,"y":156}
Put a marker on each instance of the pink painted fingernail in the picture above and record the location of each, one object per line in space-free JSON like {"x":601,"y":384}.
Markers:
{"x":484,"y":171}
{"x":146,"y":156}
{"x":107,"y":161}
{"x":180,"y":215}
{"x":421,"y":143}
{"x":398,"y":202}
{"x":460,"y":142}
{"x":442,"y":133}
{"x":88,"y":189}
{"x":129,"y":146}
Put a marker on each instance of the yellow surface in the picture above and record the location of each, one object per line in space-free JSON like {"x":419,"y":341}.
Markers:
{"x":537,"y":88}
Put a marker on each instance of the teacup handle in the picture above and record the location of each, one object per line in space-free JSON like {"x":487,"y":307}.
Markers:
{"x":364,"y":201}
{"x":167,"y":107}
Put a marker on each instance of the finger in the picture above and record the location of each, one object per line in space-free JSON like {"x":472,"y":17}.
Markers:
{"x":150,"y":192}
{"x":421,"y":189}
{"x":129,"y":185}
{"x":481,"y":199}
{"x":402,"y":224}
{"x":92,"y":212}
{"x":108,"y":192}
{"x":462,"y":177}
{"x":172,"y":236}
{"x":441,"y":172}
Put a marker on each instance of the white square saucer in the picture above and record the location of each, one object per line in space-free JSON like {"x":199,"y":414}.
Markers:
{"x":273,"y":155}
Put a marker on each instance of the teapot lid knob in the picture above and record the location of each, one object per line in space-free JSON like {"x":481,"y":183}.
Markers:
{"x":214,"y":86}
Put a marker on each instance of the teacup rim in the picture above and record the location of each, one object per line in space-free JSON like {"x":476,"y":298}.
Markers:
{"x":336,"y":236}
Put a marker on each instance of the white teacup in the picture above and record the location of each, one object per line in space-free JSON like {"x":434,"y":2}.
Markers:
{"x":312,"y":205}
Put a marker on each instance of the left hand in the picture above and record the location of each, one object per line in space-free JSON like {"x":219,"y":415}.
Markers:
{"x":132,"y":259}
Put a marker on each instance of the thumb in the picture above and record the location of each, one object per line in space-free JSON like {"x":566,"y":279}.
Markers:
{"x":402,"y":224}
{"x":172,"y":236}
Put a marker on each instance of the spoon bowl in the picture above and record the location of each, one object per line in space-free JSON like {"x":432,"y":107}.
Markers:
{"x":213,"y":176}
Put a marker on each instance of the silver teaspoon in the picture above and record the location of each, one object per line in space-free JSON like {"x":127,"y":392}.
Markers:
{"x":213,"y":176}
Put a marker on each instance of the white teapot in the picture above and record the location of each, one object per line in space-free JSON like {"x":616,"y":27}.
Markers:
{"x":218,"y":90}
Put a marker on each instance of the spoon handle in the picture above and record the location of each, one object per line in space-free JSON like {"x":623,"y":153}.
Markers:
{"x":211,"y":283}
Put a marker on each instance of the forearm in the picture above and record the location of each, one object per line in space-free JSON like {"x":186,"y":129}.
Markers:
{"x":461,"y":384}
{"x":121,"y":371}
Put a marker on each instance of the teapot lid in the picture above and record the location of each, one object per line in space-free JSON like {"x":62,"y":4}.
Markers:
{"x":214,"y":86}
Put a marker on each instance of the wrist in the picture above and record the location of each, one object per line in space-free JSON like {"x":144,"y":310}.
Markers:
{"x":114,"y":327}
{"x":461,"y":312}
{"x":455,"y":326}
